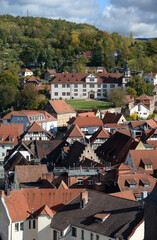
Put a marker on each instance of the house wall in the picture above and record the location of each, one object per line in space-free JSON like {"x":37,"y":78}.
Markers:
{"x":139,"y":233}
{"x":4,"y":221}
{"x":29,"y":234}
{"x":63,"y":118}
{"x":142,"y":112}
{"x":80,"y":92}
{"x":35,"y":136}
{"x":73,"y":181}
{"x":50,"y":126}
{"x":152,"y":80}
{"x":89,"y":153}
{"x":44,"y":222}
{"x":67,"y":235}
{"x":23,"y":120}
{"x":129,"y":161}
{"x":3,"y":149}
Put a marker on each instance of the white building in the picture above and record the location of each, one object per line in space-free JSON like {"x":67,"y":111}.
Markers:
{"x":25,"y":72}
{"x":26,"y":214}
{"x":85,"y":85}
{"x":141,"y":110}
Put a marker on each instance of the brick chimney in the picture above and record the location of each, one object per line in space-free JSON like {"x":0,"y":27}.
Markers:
{"x":83,"y":199}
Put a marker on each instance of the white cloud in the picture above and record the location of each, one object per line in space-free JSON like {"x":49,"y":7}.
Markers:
{"x":120,"y":16}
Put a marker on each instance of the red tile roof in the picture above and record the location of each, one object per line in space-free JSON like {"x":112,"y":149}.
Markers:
{"x":60,"y":106}
{"x":21,"y":202}
{"x":87,"y":114}
{"x":74,"y":131}
{"x":33,"y":79}
{"x":63,"y":185}
{"x":10,"y":133}
{"x":86,"y":121}
{"x":152,"y":123}
{"x":143,"y":97}
{"x":125,"y":194}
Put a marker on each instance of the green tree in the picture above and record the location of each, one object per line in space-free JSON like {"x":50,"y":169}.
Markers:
{"x":140,"y":86}
{"x":28,"y":97}
{"x":131,"y":91}
{"x":117,"y":97}
{"x":97,"y":55}
{"x":7,"y":78}
{"x":8,"y":97}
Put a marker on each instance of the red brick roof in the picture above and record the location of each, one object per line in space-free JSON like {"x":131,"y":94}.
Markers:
{"x":125,"y":194}
{"x":86,"y":121}
{"x":80,"y":78}
{"x":10,"y":131}
{"x":60,"y":106}
{"x":30,"y":173}
{"x":21,"y":202}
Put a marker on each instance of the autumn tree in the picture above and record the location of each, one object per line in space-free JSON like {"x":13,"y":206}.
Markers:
{"x":117,"y":97}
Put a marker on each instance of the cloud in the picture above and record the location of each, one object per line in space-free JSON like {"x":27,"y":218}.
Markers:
{"x":122,"y":16}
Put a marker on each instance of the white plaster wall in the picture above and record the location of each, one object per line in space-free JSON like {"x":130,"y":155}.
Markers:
{"x":3,"y":148}
{"x":139,"y":233}
{"x":44,"y":222}
{"x":143,"y":113}
{"x":16,"y":235}
{"x":30,"y":234}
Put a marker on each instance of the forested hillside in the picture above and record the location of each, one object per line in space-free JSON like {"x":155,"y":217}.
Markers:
{"x":55,"y":44}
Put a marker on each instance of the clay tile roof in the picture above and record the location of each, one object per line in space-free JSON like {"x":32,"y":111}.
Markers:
{"x":74,"y":131}
{"x":87,"y":114}
{"x":10,"y":131}
{"x":33,"y":79}
{"x":145,"y":180}
{"x":51,"y":71}
{"x":100,"y":133}
{"x":35,"y":127}
{"x":131,"y":181}
{"x":125,"y":194}
{"x":63,"y":185}
{"x":144,"y":97}
{"x":20,"y":202}
{"x":30,"y":173}
{"x":88,"y":121}
{"x":137,"y":123}
{"x":60,"y":106}
{"x":146,"y":160}
{"x":129,"y":98}
{"x":152,"y":123}
{"x":102,"y":215}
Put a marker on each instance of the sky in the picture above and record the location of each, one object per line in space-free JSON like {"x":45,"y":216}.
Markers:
{"x":122,"y":16}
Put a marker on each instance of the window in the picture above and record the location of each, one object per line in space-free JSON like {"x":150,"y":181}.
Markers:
{"x":76,"y":85}
{"x":147,"y":185}
{"x":75,"y":90}
{"x":21,"y":226}
{"x":84,"y":90}
{"x":84,"y":94}
{"x":75,"y":94}
{"x":68,"y":93}
{"x":63,"y":85}
{"x":79,"y":182}
{"x":112,"y":86}
{"x":91,"y":85}
{"x":34,"y":223}
{"x":63,"y":93}
{"x":82,"y":234}
{"x":84,"y":85}
{"x":74,"y":232}
{"x":99,"y":90}
{"x":91,"y":236}
{"x":56,"y":85}
{"x":133,"y":186}
{"x":3,"y":154}
{"x":16,"y":227}
{"x":97,"y":237}
{"x":99,"y":85}
{"x":56,"y":93}
{"x":104,"y":85}
{"x":99,"y":94}
{"x":148,"y":166}
{"x":68,"y":85}
{"x":90,"y":181}
{"x":29,"y":224}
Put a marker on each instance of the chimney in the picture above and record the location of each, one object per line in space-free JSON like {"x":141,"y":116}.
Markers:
{"x":83,"y":199}
{"x":143,"y":196}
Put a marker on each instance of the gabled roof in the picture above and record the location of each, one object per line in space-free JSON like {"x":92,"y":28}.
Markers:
{"x":100,"y":133}
{"x":143,"y":155}
{"x":51,"y":71}
{"x":112,"y":117}
{"x":63,"y":185}
{"x":115,"y":149}
{"x":23,"y":70}
{"x":21,"y":202}
{"x":60,"y":106}
{"x":10,"y":131}
{"x":86,"y":121}
{"x":152,"y":123}
{"x":30,"y":173}
{"x":74,"y":131}
{"x":17,"y":159}
{"x":33,"y":79}
{"x":122,"y":211}
{"x":125,"y":194}
{"x":143,"y":97}
{"x":137,"y":123}
{"x":35,"y":127}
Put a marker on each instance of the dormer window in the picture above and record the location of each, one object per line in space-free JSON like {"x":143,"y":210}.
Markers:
{"x":131,"y":183}
{"x":145,"y":182}
{"x":1,"y":139}
{"x":148,"y":167}
{"x":101,"y":216}
{"x":147,"y":163}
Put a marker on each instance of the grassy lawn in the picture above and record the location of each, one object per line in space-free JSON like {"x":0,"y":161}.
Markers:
{"x":88,"y":105}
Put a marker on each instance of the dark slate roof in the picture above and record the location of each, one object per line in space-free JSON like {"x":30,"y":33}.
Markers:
{"x":75,"y":151}
{"x":111,"y":117}
{"x":17,"y":159}
{"x":115,"y":149}
{"x":125,"y":215}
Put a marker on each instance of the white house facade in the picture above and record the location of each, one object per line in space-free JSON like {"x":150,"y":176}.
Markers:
{"x":151,"y":78}
{"x":141,"y":110}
